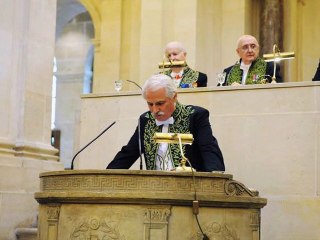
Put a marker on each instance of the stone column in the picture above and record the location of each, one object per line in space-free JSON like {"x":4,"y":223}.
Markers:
{"x":26,"y":82}
{"x":271,"y":25}
{"x":27,"y":49}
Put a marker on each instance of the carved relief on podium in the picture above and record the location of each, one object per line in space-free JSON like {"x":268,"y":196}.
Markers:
{"x":156,"y":223}
{"x":53,"y":212}
{"x":96,"y":228}
{"x":217,"y":231}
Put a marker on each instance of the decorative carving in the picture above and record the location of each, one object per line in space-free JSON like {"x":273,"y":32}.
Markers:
{"x":156,"y":220}
{"x":157,"y":215}
{"x":235,"y":188}
{"x":96,"y":229}
{"x":216,"y":231}
{"x":53,"y":212}
{"x":107,"y":183}
{"x":229,"y":233}
{"x":255,"y":223}
{"x":255,"y":218}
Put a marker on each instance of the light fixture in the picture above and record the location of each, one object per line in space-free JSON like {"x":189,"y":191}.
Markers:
{"x":171,"y":64}
{"x":277,"y":56}
{"x":177,"y":138}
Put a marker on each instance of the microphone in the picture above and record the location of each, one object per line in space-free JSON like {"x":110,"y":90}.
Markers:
{"x":135,"y":84}
{"x":72,"y":161}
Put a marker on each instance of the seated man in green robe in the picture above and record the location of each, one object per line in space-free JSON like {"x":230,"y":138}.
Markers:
{"x":250,"y":69}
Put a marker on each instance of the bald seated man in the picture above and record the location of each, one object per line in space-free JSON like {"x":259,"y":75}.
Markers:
{"x":250,"y":69}
{"x":167,"y":114}
{"x":183,"y":77}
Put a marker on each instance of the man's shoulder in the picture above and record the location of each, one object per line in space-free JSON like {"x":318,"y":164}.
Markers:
{"x":228,"y":69}
{"x":202,"y":75}
{"x":188,"y":69}
{"x":270,"y":64}
{"x":196,"y":109}
{"x":146,"y":115}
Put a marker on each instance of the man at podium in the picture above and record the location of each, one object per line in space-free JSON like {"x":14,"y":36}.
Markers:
{"x":165,"y":115}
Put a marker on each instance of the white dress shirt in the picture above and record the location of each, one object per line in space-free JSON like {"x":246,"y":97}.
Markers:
{"x":164,"y":161}
{"x":245,"y":69}
{"x":177,"y":77}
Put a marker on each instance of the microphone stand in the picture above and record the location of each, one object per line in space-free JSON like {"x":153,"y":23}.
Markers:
{"x":135,"y":84}
{"x":139,"y":139}
{"x":72,"y":161}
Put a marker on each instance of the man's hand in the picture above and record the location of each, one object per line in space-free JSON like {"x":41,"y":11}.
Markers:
{"x":235,"y":84}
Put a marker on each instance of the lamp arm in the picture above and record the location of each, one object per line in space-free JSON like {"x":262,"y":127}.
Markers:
{"x":176,"y":138}
{"x":275,"y":48}
{"x":274,"y":70}
{"x":184,"y":160}
{"x":180,"y":145}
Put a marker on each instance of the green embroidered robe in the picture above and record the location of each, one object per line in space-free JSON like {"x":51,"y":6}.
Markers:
{"x":254,"y":76}
{"x":189,"y":76}
{"x":181,"y":125}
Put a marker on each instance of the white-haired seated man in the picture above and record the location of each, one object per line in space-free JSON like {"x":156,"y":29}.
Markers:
{"x":183,"y":77}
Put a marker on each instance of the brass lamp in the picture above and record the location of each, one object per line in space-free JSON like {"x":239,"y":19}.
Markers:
{"x":171,"y":64}
{"x":277,"y":56}
{"x":177,"y":138}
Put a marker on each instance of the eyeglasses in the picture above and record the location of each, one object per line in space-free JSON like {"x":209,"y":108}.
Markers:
{"x":246,"y":47}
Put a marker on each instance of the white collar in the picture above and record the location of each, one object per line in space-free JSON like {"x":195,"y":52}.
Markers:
{"x":174,"y":74}
{"x":170,"y":120}
{"x":244,"y":67}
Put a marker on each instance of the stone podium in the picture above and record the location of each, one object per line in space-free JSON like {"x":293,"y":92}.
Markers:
{"x":140,"y":205}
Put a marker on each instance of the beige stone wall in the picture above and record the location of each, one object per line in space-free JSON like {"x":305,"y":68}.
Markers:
{"x":301,"y":35}
{"x":269,"y":136}
{"x":71,"y":53}
{"x":130,"y":36}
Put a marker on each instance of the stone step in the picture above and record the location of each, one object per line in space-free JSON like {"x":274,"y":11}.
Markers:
{"x":26,"y":233}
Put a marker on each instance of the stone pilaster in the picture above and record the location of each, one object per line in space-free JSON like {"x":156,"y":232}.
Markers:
{"x":27,"y":51}
{"x":271,"y":25}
